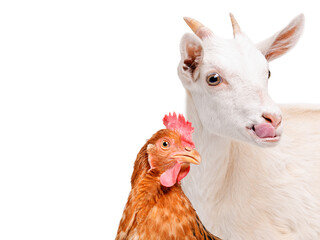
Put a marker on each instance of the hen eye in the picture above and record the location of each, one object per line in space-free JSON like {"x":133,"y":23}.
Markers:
{"x":269,"y":74}
{"x":213,"y":79}
{"x":165,"y":144}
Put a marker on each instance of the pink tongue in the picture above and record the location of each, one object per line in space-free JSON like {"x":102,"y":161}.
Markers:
{"x":264,"y":130}
{"x":169,"y":177}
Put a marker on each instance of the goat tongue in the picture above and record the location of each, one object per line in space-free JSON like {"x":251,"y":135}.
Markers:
{"x":264,"y":130}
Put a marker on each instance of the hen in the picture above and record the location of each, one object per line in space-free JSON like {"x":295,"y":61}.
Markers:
{"x":157,"y":208}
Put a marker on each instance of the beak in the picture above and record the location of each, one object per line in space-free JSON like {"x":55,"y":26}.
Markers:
{"x":188,"y":156}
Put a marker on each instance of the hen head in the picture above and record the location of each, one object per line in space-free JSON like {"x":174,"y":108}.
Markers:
{"x":170,"y":151}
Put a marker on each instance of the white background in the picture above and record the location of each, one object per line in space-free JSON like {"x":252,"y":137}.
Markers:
{"x":83,"y":84}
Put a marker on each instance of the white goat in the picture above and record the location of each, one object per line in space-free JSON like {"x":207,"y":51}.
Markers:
{"x":242,"y":190}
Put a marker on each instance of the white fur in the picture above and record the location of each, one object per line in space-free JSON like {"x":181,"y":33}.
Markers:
{"x":243,"y":190}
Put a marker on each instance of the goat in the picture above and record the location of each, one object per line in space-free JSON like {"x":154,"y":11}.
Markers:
{"x":251,"y":185}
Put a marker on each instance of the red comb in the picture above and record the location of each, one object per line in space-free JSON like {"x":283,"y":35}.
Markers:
{"x":179,"y":124}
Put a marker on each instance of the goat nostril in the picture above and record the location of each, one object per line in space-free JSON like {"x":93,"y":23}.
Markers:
{"x":273,"y":119}
{"x":279,"y":122}
{"x":267,"y":119}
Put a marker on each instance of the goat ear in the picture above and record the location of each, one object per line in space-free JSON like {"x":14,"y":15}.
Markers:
{"x":283,"y":41}
{"x":191,"y":56}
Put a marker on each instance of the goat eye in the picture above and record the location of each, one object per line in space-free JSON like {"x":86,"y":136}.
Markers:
{"x":165,"y":144}
{"x":269,"y":74}
{"x":213,"y":79}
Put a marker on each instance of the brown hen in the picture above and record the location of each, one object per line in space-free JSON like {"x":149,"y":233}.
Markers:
{"x":157,"y":208}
